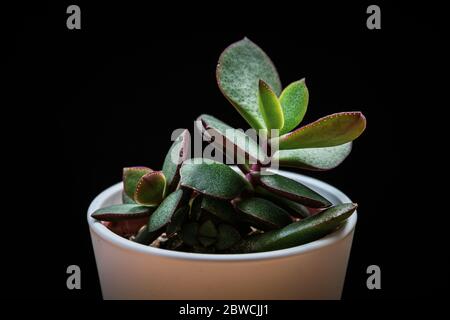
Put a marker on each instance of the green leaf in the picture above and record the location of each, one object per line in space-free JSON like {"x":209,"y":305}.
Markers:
{"x":145,"y":237}
{"x":207,"y":233}
{"x":150,"y":189}
{"x":329,"y":131}
{"x":208,"y":229}
{"x":177,"y":220}
{"x":263,"y":214}
{"x":212,"y":178}
{"x":196,"y":208}
{"x":294,"y":102}
{"x":293,"y":208}
{"x":240,"y":67}
{"x":222,"y":211}
{"x":205,"y":241}
{"x":293,"y":190}
{"x":219,"y":208}
{"x":298,"y":233}
{"x":120,"y":212}
{"x":313,"y":158}
{"x":270,"y":107}
{"x":178,"y":152}
{"x":227,"y":237}
{"x":163,"y":215}
{"x":131,"y":177}
{"x":244,"y":149}
{"x":189,"y":233}
{"x":126,"y":199}
{"x":126,"y":228}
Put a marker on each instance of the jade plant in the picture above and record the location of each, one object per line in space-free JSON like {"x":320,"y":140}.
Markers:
{"x":205,"y":206}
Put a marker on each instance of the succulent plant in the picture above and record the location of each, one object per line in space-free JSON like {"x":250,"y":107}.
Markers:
{"x":206,"y":206}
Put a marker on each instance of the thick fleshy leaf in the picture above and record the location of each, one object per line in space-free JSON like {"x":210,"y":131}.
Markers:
{"x":196,"y":208}
{"x":270,"y":107}
{"x":131,"y":177}
{"x":262,"y":213}
{"x":177,"y":220}
{"x":293,"y":190}
{"x":212,"y":178}
{"x":178,"y":152}
{"x":189,"y":233}
{"x":220,"y":208}
{"x":293,"y":208}
{"x":145,"y":237}
{"x":163,"y":214}
{"x":227,"y":237}
{"x":205,"y":241}
{"x":150,"y":189}
{"x":313,"y":158}
{"x":240,"y":67}
{"x":329,"y":131}
{"x":298,"y":233}
{"x":222,"y":211}
{"x":126,"y":199}
{"x":237,"y":145}
{"x":126,"y":228}
{"x":120,"y":212}
{"x":294,"y":102}
{"x":208,"y":229}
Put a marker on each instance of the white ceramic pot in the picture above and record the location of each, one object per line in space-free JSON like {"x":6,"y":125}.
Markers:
{"x":129,"y":270}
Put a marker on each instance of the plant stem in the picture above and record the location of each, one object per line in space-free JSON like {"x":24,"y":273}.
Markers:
{"x":244,"y":168}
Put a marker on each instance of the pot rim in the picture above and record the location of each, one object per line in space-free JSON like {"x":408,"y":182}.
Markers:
{"x":103,"y":232}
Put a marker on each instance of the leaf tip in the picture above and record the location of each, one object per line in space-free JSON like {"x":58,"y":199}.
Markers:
{"x":360,"y":116}
{"x":263,"y":85}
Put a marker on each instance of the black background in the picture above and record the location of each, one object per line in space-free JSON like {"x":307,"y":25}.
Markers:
{"x":92,"y":101}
